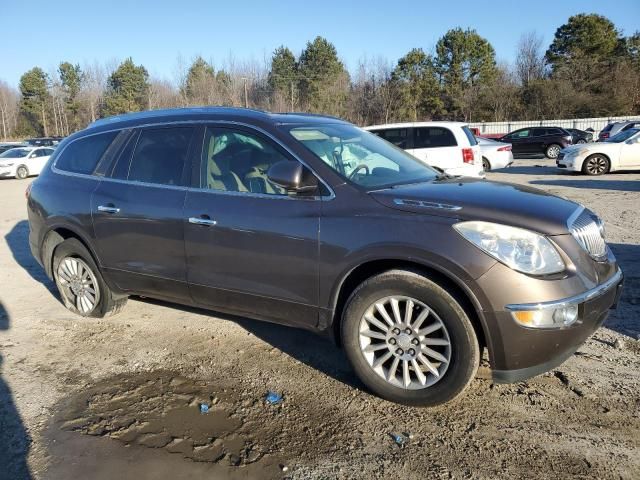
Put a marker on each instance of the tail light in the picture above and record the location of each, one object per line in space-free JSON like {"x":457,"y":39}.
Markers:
{"x":27,"y":192}
{"x":604,"y":135}
{"x":467,"y":155}
{"x":506,"y":148}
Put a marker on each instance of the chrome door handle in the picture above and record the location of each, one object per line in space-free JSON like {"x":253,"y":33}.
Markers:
{"x":108,"y":209}
{"x":202,"y":221}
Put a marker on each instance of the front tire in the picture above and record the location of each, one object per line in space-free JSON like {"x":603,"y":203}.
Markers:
{"x":409,"y":340}
{"x":553,"y":151}
{"x":22,"y":172}
{"x":80,"y":283}
{"x":595,"y":165}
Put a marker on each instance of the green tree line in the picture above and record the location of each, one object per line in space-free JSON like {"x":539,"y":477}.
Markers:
{"x":589,"y":70}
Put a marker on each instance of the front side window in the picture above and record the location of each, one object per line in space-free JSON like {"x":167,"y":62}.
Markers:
{"x":82,"y":155}
{"x":238,"y":161}
{"x":520,"y":134}
{"x":434,"y":137}
{"x":160,"y":156}
{"x":361,"y":157}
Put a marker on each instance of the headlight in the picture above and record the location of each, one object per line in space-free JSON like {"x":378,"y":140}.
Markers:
{"x":520,"y":249}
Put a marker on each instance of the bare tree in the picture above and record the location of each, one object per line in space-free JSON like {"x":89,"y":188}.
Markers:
{"x":530,"y":63}
{"x":92,"y":90}
{"x":9,"y":99}
{"x":162,"y":94}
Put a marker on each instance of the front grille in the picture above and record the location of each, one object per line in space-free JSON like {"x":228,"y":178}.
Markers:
{"x":587,"y":231}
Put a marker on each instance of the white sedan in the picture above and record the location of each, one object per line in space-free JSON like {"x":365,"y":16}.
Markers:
{"x":24,"y":161}
{"x":494,"y":154}
{"x":620,"y":152}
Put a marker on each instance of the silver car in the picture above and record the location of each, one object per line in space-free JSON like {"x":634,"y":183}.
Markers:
{"x":494,"y":154}
{"x":616,"y":127}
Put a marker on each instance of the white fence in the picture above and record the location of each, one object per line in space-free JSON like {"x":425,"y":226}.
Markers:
{"x":580,"y":123}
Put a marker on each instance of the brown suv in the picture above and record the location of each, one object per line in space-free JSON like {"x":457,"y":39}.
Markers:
{"x":312,"y":222}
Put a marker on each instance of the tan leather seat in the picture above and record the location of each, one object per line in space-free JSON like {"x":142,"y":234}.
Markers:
{"x":219,"y":173}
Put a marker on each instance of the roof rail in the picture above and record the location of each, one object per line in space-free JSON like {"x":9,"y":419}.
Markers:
{"x":167,"y":112}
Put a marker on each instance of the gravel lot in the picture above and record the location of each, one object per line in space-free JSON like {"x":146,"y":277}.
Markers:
{"x":83,"y":398}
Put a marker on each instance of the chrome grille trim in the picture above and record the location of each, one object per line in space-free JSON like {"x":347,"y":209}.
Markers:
{"x":584,"y":227}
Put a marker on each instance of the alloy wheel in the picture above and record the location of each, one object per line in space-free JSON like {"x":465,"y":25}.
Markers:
{"x":596,"y":165}
{"x":553,"y":151}
{"x":22,"y":173}
{"x":78,"y":285}
{"x":405,"y":342}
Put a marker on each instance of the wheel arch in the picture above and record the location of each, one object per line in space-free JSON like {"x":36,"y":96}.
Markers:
{"x":54,"y":237}
{"x":601,"y":154}
{"x":454,"y":286}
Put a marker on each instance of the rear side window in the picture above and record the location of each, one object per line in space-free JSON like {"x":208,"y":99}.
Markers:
{"x":160,"y":156}
{"x":82,"y":155}
{"x":398,"y":136}
{"x":470,"y":136}
{"x":433,"y":137}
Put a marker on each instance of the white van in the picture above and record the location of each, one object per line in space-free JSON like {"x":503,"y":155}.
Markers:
{"x":450,"y":146}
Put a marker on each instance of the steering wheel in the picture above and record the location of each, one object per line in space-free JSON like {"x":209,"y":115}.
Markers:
{"x":362,"y":166}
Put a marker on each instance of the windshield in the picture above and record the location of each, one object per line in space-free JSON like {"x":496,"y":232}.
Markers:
{"x":362,"y":157}
{"x":15,"y":153}
{"x":622,"y":136}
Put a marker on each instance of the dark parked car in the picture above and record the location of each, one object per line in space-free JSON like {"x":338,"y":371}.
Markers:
{"x":538,"y":140}
{"x":580,"y":136}
{"x":44,"y":141}
{"x":312,"y":222}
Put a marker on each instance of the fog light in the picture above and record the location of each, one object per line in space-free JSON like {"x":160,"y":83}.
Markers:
{"x":547,"y":318}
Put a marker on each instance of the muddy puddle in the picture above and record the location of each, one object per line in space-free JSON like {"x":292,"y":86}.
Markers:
{"x":127,"y":421}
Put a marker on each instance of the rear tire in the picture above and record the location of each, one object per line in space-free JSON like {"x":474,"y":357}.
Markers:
{"x":486,"y":166}
{"x":406,"y":358}
{"x":596,"y":164}
{"x":80,"y":283}
{"x":553,"y":151}
{"x":22,"y":172}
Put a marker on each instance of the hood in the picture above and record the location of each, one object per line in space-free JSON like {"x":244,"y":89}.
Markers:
{"x":599,"y":146}
{"x":471,"y":199}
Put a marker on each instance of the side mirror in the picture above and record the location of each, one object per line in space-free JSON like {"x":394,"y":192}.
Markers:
{"x":33,"y":155}
{"x":292,"y":176}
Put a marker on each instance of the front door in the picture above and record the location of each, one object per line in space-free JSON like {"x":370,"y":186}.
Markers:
{"x":138,"y":213}
{"x":630,"y":152}
{"x":520,"y":141}
{"x":251,"y":248}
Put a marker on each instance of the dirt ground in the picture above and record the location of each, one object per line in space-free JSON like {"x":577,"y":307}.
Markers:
{"x":83,"y":398}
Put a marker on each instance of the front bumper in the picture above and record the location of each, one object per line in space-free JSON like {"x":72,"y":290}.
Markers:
{"x":7,"y":172}
{"x":536,"y":351}
{"x":572,"y":163}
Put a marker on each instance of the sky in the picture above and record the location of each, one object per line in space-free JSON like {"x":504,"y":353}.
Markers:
{"x":155,"y":33}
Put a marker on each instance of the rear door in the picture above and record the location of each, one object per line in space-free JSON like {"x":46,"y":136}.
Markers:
{"x":251,"y":248}
{"x":437,"y":146}
{"x":138,"y":212}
